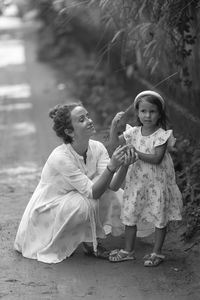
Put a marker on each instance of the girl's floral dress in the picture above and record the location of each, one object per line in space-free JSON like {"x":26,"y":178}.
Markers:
{"x":151,"y":194}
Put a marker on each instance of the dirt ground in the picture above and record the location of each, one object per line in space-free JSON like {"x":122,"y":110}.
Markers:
{"x":28,"y":89}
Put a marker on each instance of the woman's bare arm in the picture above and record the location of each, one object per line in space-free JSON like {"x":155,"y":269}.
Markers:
{"x":103,"y":182}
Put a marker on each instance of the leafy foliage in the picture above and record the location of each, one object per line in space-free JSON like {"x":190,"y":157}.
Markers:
{"x":188,"y":173}
{"x":154,"y":33}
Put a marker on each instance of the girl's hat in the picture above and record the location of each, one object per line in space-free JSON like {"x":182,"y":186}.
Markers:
{"x":149,"y":93}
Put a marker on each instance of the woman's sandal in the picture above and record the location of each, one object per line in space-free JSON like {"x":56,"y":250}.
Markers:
{"x":153,"y":260}
{"x":101,"y":251}
{"x":119,"y":255}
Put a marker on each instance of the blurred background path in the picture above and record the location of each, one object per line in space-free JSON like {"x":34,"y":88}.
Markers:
{"x":28,"y":89}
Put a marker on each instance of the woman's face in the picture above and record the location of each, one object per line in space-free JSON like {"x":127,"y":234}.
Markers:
{"x":82,"y":124}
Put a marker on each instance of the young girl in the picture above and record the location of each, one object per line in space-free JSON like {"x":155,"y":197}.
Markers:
{"x":151,"y":194}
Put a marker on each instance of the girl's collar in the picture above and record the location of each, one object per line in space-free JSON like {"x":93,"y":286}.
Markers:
{"x":149,"y":134}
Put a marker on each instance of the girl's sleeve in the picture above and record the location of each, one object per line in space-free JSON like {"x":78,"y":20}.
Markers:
{"x":163,"y":137}
{"x":128,"y":133}
{"x":67,"y":167}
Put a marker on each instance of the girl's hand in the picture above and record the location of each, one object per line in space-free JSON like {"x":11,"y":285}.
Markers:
{"x":118,"y":157}
{"x":130,"y":156}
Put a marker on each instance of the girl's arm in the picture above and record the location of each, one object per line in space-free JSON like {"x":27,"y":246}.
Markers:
{"x":153,"y":158}
{"x":119,"y":177}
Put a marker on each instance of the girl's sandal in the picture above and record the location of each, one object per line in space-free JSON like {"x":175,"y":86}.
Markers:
{"x":121,"y":255}
{"x":153,"y":260}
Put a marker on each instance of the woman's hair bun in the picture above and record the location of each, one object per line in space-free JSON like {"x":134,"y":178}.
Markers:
{"x":53,"y":111}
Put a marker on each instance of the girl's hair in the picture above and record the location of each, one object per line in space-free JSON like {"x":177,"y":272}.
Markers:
{"x":163,"y":121}
{"x":61,"y":115}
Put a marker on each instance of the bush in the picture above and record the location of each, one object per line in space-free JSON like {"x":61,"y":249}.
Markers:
{"x":187,"y":164}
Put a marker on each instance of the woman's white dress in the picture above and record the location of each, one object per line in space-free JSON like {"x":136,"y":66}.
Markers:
{"x":61,"y":213}
{"x":151,"y":195}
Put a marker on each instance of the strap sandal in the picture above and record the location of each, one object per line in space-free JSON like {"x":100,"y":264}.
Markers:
{"x":114,"y":252}
{"x":121,"y":255}
{"x":153,"y":260}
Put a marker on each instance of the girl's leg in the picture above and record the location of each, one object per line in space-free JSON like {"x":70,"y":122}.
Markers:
{"x":128,"y":252}
{"x":130,"y":237}
{"x":160,"y":234}
{"x":155,"y":258}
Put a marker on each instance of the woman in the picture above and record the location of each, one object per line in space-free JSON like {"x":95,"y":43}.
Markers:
{"x":74,"y":201}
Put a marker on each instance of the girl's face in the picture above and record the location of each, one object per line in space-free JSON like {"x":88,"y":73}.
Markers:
{"x":82,"y":124}
{"x":148,"y":114}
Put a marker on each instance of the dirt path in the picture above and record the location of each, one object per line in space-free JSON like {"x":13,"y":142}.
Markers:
{"x":27,"y":90}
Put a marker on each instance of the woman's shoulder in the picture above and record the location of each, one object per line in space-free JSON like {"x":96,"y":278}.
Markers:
{"x":96,"y":144}
{"x":62,"y":157}
{"x":97,"y":147}
{"x":60,"y":152}
{"x":59,"y":149}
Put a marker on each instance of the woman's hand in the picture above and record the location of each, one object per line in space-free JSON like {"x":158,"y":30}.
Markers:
{"x":128,"y":158}
{"x":119,"y":120}
{"x":117,"y":127}
{"x":118,"y":157}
